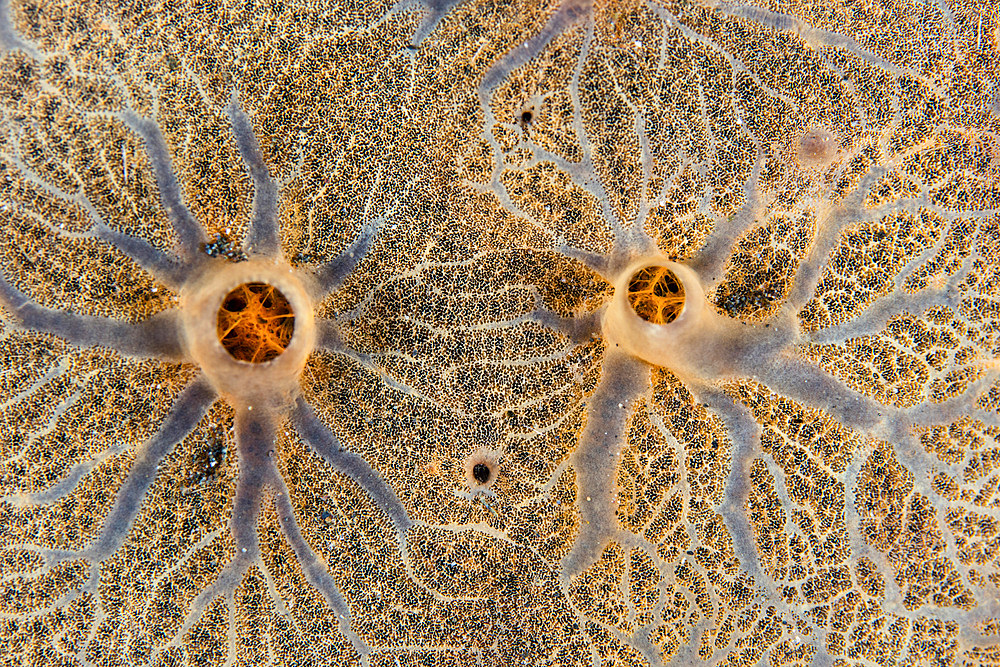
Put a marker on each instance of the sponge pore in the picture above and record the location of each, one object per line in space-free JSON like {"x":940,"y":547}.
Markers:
{"x":656,"y":295}
{"x":255,"y":323}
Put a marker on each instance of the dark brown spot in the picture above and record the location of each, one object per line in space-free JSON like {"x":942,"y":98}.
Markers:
{"x":481,"y":473}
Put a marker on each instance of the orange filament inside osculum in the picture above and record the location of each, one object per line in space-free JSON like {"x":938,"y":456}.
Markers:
{"x":656,"y":295}
{"x":255,"y":323}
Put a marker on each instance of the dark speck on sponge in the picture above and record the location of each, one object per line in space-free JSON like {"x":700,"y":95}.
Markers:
{"x":222,"y":246}
{"x":481,"y":472}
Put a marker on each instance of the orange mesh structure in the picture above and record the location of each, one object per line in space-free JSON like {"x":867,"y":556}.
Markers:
{"x":656,"y":295}
{"x":255,"y":323}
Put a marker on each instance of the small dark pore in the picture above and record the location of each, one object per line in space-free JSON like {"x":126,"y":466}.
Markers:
{"x":526,"y":117}
{"x":481,"y":472}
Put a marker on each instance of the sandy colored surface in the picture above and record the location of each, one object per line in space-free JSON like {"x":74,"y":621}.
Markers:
{"x":807,"y":476}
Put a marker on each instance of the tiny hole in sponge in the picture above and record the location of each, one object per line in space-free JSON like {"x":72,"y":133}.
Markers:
{"x":656,"y":294}
{"x":481,"y":469}
{"x":481,"y":473}
{"x":255,"y":323}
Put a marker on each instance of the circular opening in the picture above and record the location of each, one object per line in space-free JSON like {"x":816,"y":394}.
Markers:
{"x":526,"y":117}
{"x":255,"y":323}
{"x":481,"y":473}
{"x":656,"y":294}
{"x":480,"y":470}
